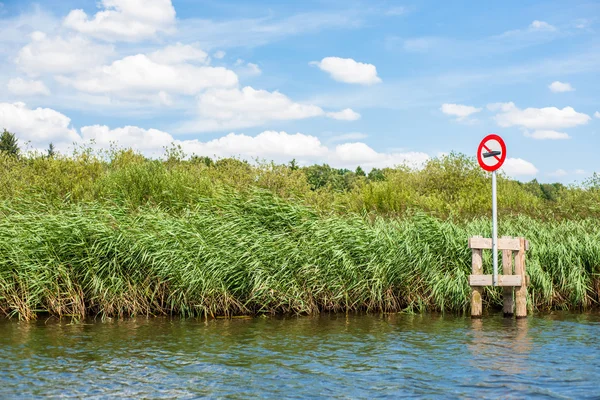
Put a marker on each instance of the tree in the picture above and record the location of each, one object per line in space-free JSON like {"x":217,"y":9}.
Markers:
{"x":51,"y":151}
{"x":376,"y":175}
{"x":359,"y":171}
{"x":9,"y":143}
{"x":293,"y":165}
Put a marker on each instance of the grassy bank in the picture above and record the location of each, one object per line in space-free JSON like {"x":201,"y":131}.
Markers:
{"x":237,"y":253}
{"x":117,"y":234}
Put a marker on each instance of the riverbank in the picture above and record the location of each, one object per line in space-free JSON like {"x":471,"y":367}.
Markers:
{"x":255,"y":253}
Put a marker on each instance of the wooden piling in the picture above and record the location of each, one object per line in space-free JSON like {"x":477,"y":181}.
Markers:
{"x":507,"y":292}
{"x":521,"y":291}
{"x":476,"y":291}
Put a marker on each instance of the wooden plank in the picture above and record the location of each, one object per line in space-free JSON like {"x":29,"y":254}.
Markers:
{"x":503,"y":280}
{"x":521,"y":291}
{"x":486,"y":243}
{"x":476,"y":292}
{"x":508,"y":301}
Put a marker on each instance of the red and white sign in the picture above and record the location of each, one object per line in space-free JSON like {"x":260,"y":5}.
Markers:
{"x":491,"y":152}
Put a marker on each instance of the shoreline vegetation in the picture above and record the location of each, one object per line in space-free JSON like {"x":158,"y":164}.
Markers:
{"x":115,"y":234}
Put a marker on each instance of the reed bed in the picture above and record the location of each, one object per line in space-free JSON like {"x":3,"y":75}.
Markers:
{"x":248,"y":253}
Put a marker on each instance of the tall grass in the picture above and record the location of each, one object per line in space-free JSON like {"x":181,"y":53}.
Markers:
{"x":236,"y":252}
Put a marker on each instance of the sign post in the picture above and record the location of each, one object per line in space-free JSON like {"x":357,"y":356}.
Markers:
{"x":491,"y":154}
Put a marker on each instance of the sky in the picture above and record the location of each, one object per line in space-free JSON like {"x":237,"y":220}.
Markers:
{"x":371,"y":83}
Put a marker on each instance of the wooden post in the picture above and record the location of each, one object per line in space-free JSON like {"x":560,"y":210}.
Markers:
{"x":507,"y":292}
{"x":476,"y":291}
{"x":521,"y":291}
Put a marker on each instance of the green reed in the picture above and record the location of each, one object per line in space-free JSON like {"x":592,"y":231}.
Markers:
{"x":251,"y":252}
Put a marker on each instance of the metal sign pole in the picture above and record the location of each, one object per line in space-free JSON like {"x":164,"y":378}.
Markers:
{"x":494,"y":231}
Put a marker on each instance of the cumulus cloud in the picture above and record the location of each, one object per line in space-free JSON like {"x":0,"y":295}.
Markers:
{"x":219,"y":54}
{"x":541,"y":26}
{"x":460,"y":111}
{"x":597,"y":114}
{"x":22,"y":87}
{"x":39,"y":126}
{"x":247,"y":69}
{"x":42,"y":125}
{"x":560,"y":87}
{"x":516,"y":167}
{"x":222,"y":109}
{"x":349,"y":71}
{"x":346,"y":114}
{"x":547,"y":135}
{"x":124,"y":20}
{"x":58,"y":55}
{"x":547,"y":118}
{"x":142,"y":74}
{"x":179,"y":53}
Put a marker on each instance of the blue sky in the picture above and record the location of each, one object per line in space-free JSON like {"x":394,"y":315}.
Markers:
{"x":373,"y":83}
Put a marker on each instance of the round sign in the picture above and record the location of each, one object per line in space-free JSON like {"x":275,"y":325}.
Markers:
{"x":491,"y":152}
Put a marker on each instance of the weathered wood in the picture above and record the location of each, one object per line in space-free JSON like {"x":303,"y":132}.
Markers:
{"x":507,"y":292}
{"x":521,"y":291}
{"x":476,"y":292}
{"x":503,"y":280}
{"x":477,"y":242}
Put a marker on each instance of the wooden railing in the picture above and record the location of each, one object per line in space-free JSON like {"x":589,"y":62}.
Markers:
{"x":509,"y":280}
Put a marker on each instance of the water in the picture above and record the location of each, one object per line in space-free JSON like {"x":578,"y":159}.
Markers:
{"x":356,"y":356}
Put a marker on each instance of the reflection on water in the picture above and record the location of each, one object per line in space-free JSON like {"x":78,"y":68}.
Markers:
{"x":345,"y":356}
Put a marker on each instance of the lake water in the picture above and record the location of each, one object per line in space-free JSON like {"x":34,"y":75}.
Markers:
{"x":341,"y":356}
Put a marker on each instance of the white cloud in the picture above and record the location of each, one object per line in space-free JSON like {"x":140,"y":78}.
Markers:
{"x":247,"y":69}
{"x":541,"y":26}
{"x":219,"y":54}
{"x":179,"y":53}
{"x":352,"y":154}
{"x":580,"y":172}
{"x":597,"y":114}
{"x":124,"y":20}
{"x":60,"y":55}
{"x":279,"y":146}
{"x":346,"y":114}
{"x":461,"y":112}
{"x":558,"y":173}
{"x":547,"y":118}
{"x":148,"y":141}
{"x":165,"y":99}
{"x":141,"y":74}
{"x":515,"y":167}
{"x":560,"y":87}
{"x":22,"y":87}
{"x":349,"y":71}
{"x":222,"y":109}
{"x":40,"y":126}
{"x":547,"y":135}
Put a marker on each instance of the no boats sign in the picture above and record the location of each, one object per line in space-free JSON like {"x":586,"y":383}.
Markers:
{"x":491,"y":152}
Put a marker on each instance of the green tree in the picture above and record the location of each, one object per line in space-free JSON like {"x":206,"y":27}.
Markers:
{"x":293,"y":165}
{"x":359,"y":171}
{"x":51,"y":151}
{"x":376,"y":175}
{"x":9,"y":143}
{"x":202,"y":160}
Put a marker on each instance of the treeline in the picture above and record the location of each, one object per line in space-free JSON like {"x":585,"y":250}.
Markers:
{"x":452,"y":186}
